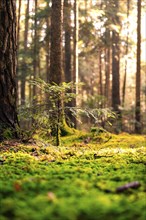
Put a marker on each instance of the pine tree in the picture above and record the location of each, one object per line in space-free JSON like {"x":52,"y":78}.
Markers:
{"x":8,"y":114}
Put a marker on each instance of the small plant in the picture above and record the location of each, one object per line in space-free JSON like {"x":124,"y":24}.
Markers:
{"x":57,"y":98}
{"x":50,"y":114}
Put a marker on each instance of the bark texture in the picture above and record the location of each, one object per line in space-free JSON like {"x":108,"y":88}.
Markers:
{"x":56,"y":72}
{"x":8,"y":114}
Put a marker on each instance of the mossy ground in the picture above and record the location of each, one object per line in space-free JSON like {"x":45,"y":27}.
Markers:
{"x":76,"y":181}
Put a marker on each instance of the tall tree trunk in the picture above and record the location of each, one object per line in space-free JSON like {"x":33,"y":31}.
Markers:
{"x":18,"y":44}
{"x":100,"y":74}
{"x":8,"y":114}
{"x":67,"y":26}
{"x":76,"y":33}
{"x":107,"y":61}
{"x":75,"y":56}
{"x":56,"y":71}
{"x":24,"y":64}
{"x":35,"y":49}
{"x":116,"y":67}
{"x":48,"y":24}
{"x":127,"y":39}
{"x":18,"y":23}
{"x":68,"y":52}
{"x":116,"y":72}
{"x":56,"y":64}
{"x":107,"y":75}
{"x":138,"y":71}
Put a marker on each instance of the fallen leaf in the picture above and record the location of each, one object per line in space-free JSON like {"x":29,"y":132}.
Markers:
{"x":17,"y":186}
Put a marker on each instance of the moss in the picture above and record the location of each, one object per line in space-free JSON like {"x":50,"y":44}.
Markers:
{"x":74,"y":181}
{"x":66,"y":130}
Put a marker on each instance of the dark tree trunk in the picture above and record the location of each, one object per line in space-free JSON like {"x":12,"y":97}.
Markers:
{"x":116,"y":63}
{"x":24,"y":64}
{"x":8,"y":114}
{"x":100,"y":74}
{"x":56,"y":72}
{"x":76,"y":33}
{"x":48,"y":24}
{"x":67,"y":27}
{"x":56,"y":69}
{"x":107,"y":75}
{"x":67,"y":55}
{"x":18,"y":44}
{"x":75,"y":77}
{"x":35,"y":49}
{"x":138,"y":75}
{"x":115,"y":72}
{"x":108,"y":61}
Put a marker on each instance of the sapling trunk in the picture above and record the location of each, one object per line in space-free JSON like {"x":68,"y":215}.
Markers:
{"x":59,"y":110}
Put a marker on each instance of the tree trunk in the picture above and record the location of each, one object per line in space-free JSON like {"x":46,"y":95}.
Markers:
{"x":76,"y":33}
{"x":24,"y":64}
{"x":67,"y":27}
{"x":115,"y":72}
{"x":35,"y":49}
{"x":56,"y":71}
{"x":68,"y":52}
{"x":138,"y":71}
{"x":75,"y":56}
{"x":47,"y":47}
{"x":127,"y":39}
{"x":115,"y":65}
{"x":100,"y":74}
{"x":107,"y":75}
{"x":8,"y":114}
{"x":18,"y":44}
{"x":18,"y":23}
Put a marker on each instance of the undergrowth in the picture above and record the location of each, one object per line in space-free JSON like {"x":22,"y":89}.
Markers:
{"x":75,"y":181}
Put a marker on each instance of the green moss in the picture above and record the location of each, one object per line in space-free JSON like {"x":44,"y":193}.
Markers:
{"x":77,"y":180}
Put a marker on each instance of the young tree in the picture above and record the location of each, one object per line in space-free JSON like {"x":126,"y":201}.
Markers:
{"x":8,"y":114}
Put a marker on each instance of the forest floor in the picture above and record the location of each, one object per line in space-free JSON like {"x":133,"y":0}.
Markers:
{"x":90,"y":177}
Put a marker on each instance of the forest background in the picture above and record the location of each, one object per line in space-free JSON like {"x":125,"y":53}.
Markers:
{"x":103,"y":46}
